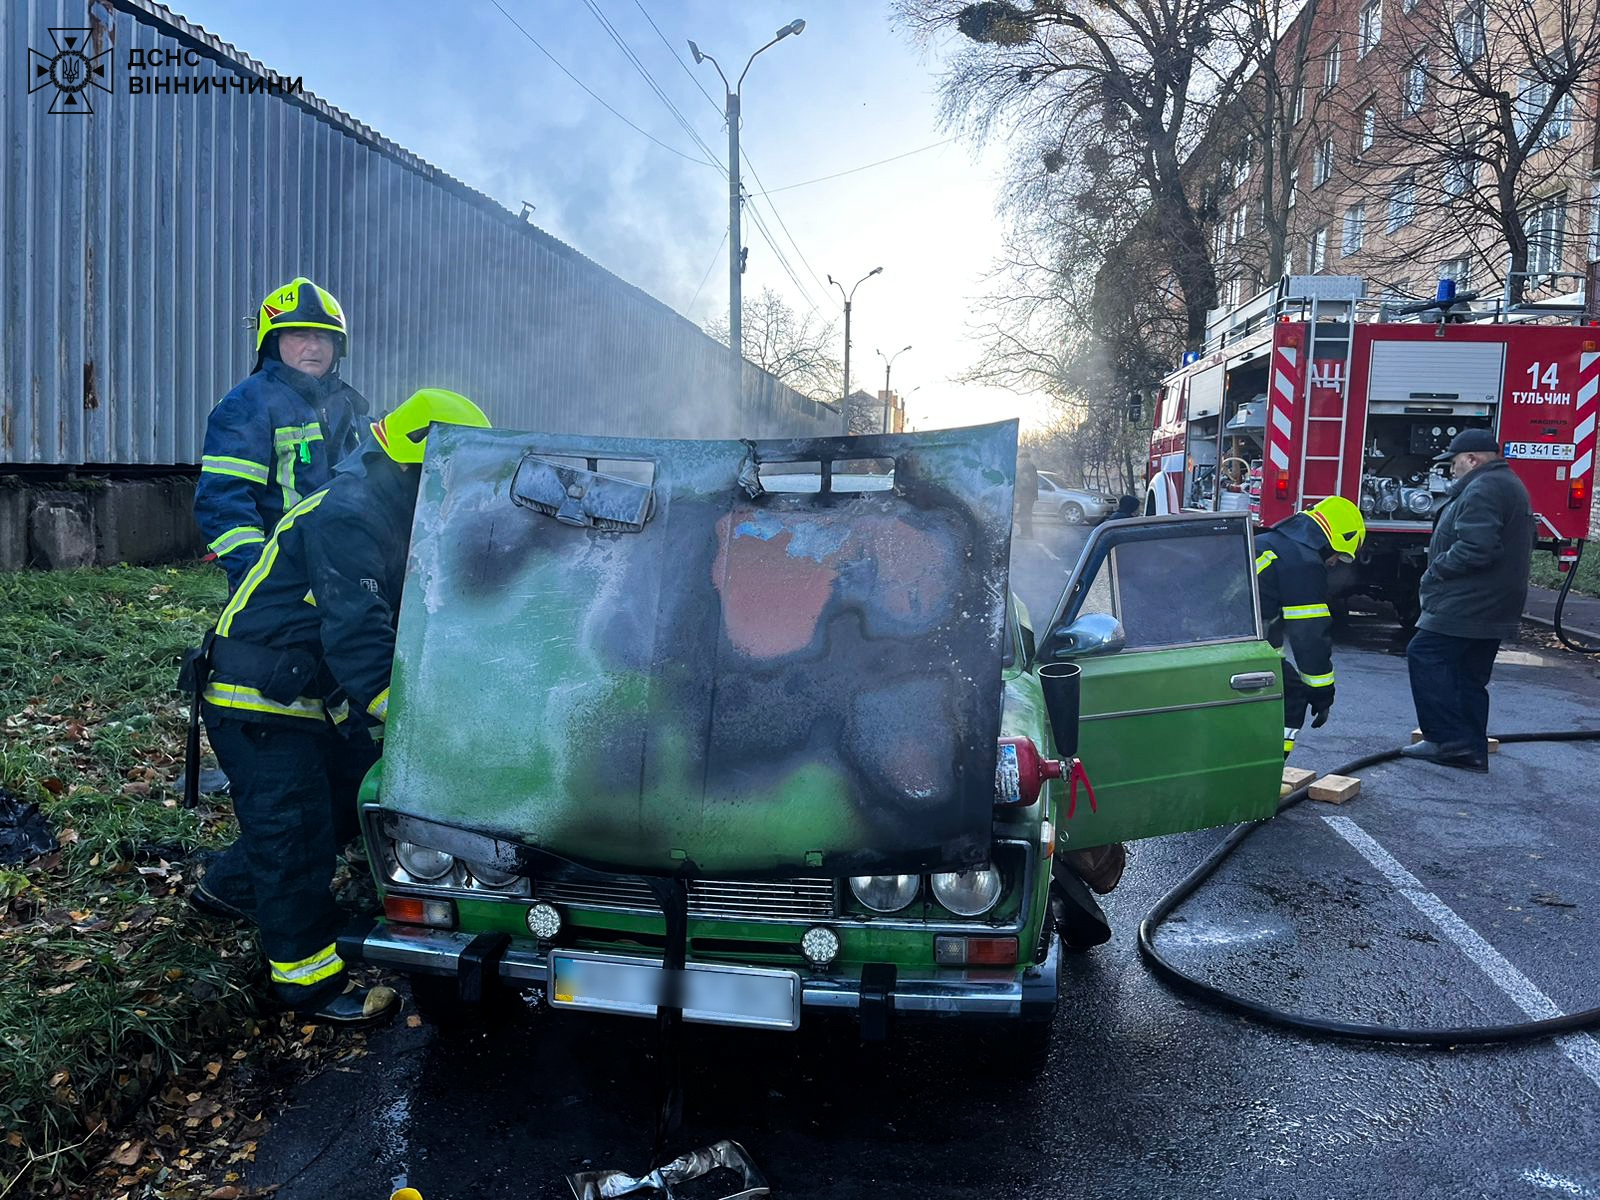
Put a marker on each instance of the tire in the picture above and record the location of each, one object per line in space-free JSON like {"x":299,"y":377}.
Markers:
{"x":1072,"y":513}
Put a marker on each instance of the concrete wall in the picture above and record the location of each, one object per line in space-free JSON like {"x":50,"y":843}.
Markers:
{"x":56,"y":526}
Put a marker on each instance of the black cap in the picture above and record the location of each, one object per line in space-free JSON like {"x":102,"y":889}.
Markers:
{"x":1470,"y":441}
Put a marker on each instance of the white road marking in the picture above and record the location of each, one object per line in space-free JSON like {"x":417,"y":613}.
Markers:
{"x":1050,"y":552}
{"x":1581,"y":1049}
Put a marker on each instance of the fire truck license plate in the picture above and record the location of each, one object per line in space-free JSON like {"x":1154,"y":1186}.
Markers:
{"x":1556,"y":450}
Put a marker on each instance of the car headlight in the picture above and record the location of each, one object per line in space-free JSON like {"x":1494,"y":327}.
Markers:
{"x":423,"y":863}
{"x":492,"y":877}
{"x":968,"y":893}
{"x":885,"y":893}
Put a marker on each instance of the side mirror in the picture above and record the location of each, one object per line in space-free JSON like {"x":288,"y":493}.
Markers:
{"x":1092,"y":633}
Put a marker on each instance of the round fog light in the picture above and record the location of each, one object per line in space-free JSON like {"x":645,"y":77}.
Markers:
{"x":968,"y":893}
{"x":544,"y":921}
{"x":820,"y":945}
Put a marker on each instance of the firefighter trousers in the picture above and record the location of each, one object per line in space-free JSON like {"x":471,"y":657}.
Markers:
{"x":1296,"y":705}
{"x":294,"y":794}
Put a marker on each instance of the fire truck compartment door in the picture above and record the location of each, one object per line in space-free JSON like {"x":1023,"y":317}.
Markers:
{"x":1177,"y":730}
{"x":1471,"y":373}
{"x":1205,"y":392}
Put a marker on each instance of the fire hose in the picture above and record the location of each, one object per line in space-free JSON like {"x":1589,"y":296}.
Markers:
{"x":1178,"y":979}
{"x":1561,"y":604}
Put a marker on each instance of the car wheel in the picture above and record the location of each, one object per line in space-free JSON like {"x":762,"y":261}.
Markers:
{"x":1072,"y":513}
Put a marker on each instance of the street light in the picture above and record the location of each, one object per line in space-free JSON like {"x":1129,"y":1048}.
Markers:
{"x":848,"y":297}
{"x":888,"y":364}
{"x":735,"y":254}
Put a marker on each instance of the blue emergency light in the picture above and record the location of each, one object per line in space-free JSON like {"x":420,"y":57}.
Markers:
{"x":1446,"y":292}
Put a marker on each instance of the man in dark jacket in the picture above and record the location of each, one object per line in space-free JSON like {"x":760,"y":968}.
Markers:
{"x":296,"y":687}
{"x":278,"y":435}
{"x":1472,"y":598}
{"x":1027,"y":493}
{"x":1127,"y":509}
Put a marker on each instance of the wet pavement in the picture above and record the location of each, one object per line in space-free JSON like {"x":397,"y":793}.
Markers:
{"x":1142,"y":1093}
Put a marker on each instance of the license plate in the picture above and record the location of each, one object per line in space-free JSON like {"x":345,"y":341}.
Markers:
{"x":712,"y":994}
{"x":1559,"y":451}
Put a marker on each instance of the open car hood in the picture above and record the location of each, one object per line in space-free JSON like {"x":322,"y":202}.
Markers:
{"x":637,"y":654}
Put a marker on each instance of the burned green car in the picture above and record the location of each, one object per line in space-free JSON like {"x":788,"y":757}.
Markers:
{"x":755,"y":729}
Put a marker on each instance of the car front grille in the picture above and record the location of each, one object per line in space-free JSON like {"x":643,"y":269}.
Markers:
{"x":797,"y":900}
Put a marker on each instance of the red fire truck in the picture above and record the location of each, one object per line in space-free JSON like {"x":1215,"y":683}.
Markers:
{"x":1305,"y":392}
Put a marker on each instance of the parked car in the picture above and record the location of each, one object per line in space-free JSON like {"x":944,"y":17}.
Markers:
{"x":792,"y":706}
{"x":1075,"y":506}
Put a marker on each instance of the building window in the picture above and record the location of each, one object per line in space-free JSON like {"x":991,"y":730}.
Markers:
{"x":1416,"y":86}
{"x":1459,"y":269}
{"x":1369,"y":126}
{"x":1594,"y":224}
{"x":1408,"y":5}
{"x":1371,"y":27}
{"x":1533,"y":97}
{"x":1355,"y":230}
{"x":1402,"y":202}
{"x":1330,"y":69}
{"x":1299,"y":109}
{"x":1294,"y":187}
{"x":1461,"y":172}
{"x":1322,"y":166}
{"x":1239,"y":219}
{"x":1317,"y":250}
{"x":1470,"y":36}
{"x":1546,"y":228}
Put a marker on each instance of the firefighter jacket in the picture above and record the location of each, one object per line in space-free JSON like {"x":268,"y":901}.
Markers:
{"x":309,"y":634}
{"x":274,"y":438}
{"x":1292,"y":578}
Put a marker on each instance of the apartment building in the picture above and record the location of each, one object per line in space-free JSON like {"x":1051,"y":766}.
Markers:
{"x":1409,"y":130}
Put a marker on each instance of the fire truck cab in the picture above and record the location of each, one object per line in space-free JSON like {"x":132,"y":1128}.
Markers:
{"x":1306,"y":391}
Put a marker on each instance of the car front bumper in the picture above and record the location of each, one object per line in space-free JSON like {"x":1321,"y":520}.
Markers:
{"x":1028,"y":993}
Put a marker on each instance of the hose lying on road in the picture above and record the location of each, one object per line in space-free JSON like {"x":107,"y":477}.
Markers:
{"x":1561,"y":603}
{"x":1183,"y":982}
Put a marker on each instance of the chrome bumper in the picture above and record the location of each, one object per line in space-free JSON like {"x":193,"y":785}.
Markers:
{"x":949,"y":992}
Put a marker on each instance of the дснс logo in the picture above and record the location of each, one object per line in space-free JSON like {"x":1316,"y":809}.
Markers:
{"x":71,"y":70}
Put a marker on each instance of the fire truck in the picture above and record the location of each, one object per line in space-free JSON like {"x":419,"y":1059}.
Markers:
{"x":1307,"y":391}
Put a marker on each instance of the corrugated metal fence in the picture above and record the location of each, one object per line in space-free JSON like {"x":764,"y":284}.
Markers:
{"x":138,"y":238}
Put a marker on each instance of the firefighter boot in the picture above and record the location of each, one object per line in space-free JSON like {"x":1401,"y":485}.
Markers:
{"x":356,"y":1007}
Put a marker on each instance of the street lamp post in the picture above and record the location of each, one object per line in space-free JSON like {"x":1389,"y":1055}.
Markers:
{"x":735,"y":253}
{"x":848,"y":298}
{"x":888,"y":364}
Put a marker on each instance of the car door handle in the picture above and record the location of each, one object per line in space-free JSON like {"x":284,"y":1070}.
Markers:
{"x":1252,"y":681}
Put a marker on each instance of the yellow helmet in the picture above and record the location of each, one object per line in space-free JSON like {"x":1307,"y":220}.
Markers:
{"x":403,"y":433}
{"x":1341,"y":522}
{"x":301,"y":304}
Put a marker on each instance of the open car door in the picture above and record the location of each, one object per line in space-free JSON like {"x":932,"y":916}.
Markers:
{"x":1182,"y":695}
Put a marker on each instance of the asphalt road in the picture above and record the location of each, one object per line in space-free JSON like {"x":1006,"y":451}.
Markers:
{"x":1434,"y":898}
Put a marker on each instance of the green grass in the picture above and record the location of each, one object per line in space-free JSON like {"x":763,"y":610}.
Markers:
{"x":107,"y":985}
{"x":1587,"y":582}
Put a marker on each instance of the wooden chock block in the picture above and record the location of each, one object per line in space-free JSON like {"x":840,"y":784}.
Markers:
{"x":1295,"y":778}
{"x":1335,"y":789}
{"x":1416,"y":736}
{"x":1494,"y":745}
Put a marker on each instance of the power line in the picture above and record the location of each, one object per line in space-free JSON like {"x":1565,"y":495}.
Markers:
{"x":644,"y":73}
{"x":693,"y":78}
{"x":596,"y":98}
{"x":782,"y":224}
{"x":789,"y":187}
{"x":715,"y":254}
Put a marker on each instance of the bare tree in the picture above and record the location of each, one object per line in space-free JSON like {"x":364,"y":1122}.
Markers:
{"x":1477,"y":131}
{"x":792,"y":346}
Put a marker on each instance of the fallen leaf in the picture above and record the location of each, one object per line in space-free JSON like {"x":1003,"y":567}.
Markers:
{"x":126,"y":1154}
{"x":213,"y":1069}
{"x":413,"y":1022}
{"x":226,"y":1192}
{"x":53,"y":785}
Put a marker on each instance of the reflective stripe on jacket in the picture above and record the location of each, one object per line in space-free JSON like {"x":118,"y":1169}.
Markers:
{"x":1292,"y":578}
{"x":274,"y":438}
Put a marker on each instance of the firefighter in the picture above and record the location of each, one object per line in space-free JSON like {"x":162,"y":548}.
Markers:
{"x":1292,"y":561}
{"x":295,"y":687}
{"x":279,"y":433}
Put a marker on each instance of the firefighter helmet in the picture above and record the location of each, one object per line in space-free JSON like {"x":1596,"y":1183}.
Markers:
{"x":301,"y":304}
{"x":403,"y":433}
{"x":1341,"y":522}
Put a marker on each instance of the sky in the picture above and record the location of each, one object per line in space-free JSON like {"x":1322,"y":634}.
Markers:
{"x":461,"y":86}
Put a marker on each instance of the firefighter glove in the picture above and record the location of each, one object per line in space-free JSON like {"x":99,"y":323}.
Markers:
{"x":1321,"y":705}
